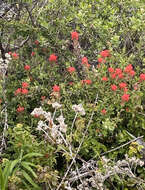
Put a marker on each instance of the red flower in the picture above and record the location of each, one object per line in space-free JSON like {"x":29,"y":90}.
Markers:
{"x":84,"y":60}
{"x":113,"y":76}
{"x":43,"y":98}
{"x":142,"y":77}
{"x":53,"y":58}
{"x":36,"y":42}
{"x":0,"y":101}
{"x":10,"y":53}
{"x":100,"y":60}
{"x":33,"y":53}
{"x":132,"y":73}
{"x":125,"y":97}
{"x":20,"y":109}
{"x":111,"y":70}
{"x":113,"y":87}
{"x":103,"y":111}
{"x":86,"y":81}
{"x":71,"y":69}
{"x":118,"y":71}
{"x":56,"y":88}
{"x":25,"y":85}
{"x":36,"y":115}
{"x":128,"y":68}
{"x":120,"y":76}
{"x":18,"y":91}
{"x":15,"y":55}
{"x":74,"y":35}
{"x":105,"y":53}
{"x":122,"y":85}
{"x":104,"y":79}
{"x":27,"y":67}
{"x":24,"y":91}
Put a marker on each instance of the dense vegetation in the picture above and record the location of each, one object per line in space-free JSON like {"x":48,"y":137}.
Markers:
{"x":72,"y":95}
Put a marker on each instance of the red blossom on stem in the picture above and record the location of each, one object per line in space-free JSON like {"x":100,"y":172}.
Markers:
{"x":142,"y":77}
{"x":113,"y":87}
{"x":125,"y":97}
{"x":101,"y":60}
{"x":74,"y":35}
{"x":27,"y":67}
{"x":56,"y":88}
{"x":128,"y":68}
{"x":18,"y":91}
{"x":71,"y":69}
{"x":105,"y":53}
{"x":24,"y":91}
{"x":25,"y":85}
{"x":104,"y":78}
{"x":52,"y":58}
{"x":122,"y":85}
{"x":110,"y":70}
{"x":86,"y":81}
{"x":20,"y":109}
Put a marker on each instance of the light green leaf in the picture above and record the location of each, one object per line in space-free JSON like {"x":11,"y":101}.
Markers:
{"x":27,"y":167}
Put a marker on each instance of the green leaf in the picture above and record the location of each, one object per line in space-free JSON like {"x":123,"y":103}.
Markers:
{"x":29,"y":179}
{"x":13,"y":164}
{"x":1,"y":179}
{"x":27,"y":167}
{"x":29,"y":155}
{"x":6,"y":173}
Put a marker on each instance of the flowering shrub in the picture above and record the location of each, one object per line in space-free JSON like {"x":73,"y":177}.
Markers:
{"x":79,"y":104}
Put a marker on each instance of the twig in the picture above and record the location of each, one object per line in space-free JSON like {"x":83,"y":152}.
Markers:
{"x":79,"y":146}
{"x":121,"y":146}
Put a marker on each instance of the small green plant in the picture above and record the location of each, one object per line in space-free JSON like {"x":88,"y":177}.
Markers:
{"x":20,"y":166}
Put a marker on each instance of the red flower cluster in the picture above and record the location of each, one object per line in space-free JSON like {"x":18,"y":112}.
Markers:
{"x":27,"y":67}
{"x":86,"y":81}
{"x":122,"y":85}
{"x":71,"y":69}
{"x":129,"y":70}
{"x":117,"y":73}
{"x":142,"y":77}
{"x":25,"y":85}
{"x":113,"y":87}
{"x":74,"y":35}
{"x":22,"y":90}
{"x":105,"y":53}
{"x":53,"y":58}
{"x":101,"y":60}
{"x":85,"y":61}
{"x":56,"y":88}
{"x":104,"y":78}
{"x":125,"y":97}
{"x":20,"y":109}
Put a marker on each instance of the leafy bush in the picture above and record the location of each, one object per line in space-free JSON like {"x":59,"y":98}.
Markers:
{"x":72,"y":90}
